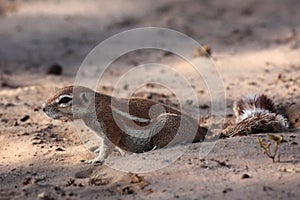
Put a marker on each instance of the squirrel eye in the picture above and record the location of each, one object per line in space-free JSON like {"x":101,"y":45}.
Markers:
{"x":64,"y":100}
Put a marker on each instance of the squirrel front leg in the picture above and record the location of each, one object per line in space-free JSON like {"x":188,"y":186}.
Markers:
{"x":105,"y":149}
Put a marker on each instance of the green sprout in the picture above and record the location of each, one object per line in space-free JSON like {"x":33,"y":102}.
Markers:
{"x":266,"y":146}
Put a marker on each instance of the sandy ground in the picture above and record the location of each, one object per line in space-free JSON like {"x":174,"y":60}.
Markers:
{"x":255,"y":48}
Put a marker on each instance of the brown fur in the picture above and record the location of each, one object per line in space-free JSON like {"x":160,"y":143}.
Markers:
{"x":102,"y":114}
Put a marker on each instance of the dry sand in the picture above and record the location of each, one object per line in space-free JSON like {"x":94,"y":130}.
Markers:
{"x":255,"y":46}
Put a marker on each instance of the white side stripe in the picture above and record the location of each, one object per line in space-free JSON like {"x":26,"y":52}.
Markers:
{"x":131,"y":117}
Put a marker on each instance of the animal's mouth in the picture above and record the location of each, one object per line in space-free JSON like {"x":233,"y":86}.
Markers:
{"x":56,"y":116}
{"x":50,"y":113}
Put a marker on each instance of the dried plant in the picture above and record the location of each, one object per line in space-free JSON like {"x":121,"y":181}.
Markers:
{"x":266,"y":146}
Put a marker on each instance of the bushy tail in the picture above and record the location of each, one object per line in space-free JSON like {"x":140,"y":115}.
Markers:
{"x":256,"y":114}
{"x":251,"y":105}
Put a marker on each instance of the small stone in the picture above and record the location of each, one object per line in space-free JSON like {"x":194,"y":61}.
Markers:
{"x":41,"y":195}
{"x":127,"y":190}
{"x":204,"y":51}
{"x":27,"y":180}
{"x":267,"y":188}
{"x":244,"y":176}
{"x":25,"y":118}
{"x":205,"y":106}
{"x":226,"y":190}
{"x":293,"y":115}
{"x":59,"y":149}
{"x":294,"y":143}
{"x":54,"y":69}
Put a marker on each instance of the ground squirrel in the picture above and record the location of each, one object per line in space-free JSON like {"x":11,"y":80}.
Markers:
{"x":255,"y":114}
{"x":145,"y":128}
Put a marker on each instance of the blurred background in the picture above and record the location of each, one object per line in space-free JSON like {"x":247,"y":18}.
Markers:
{"x":255,"y":48}
{"x":35,"y":34}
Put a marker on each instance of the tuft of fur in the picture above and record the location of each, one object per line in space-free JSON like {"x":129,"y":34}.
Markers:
{"x":252,"y":105}
{"x":256,"y":114}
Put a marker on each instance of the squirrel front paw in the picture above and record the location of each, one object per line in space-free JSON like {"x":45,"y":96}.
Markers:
{"x":95,"y":161}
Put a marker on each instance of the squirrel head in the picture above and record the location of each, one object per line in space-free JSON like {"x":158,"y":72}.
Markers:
{"x":72,"y":102}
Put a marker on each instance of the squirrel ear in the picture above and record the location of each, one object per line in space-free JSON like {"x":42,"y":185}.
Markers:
{"x":84,"y":98}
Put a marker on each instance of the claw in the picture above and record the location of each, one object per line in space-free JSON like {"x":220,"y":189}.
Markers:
{"x":94,"y":161}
